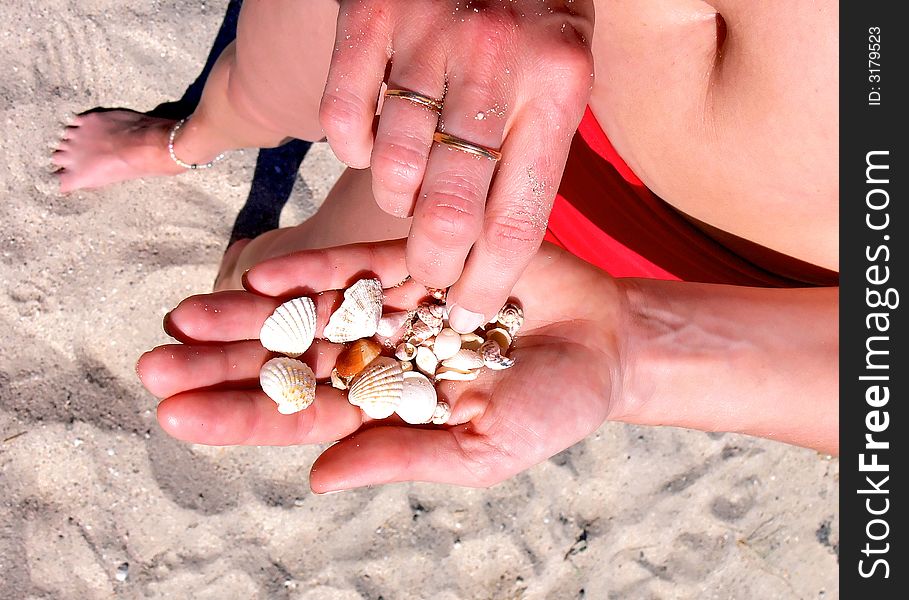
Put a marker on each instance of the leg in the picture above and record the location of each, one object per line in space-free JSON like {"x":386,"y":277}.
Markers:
{"x":262,"y":90}
{"x":348,"y":215}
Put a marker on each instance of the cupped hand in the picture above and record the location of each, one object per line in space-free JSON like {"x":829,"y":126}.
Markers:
{"x":512,"y":75}
{"x":560,"y":389}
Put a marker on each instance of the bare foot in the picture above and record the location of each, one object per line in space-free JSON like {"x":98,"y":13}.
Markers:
{"x":229,"y":275}
{"x":106,"y":147}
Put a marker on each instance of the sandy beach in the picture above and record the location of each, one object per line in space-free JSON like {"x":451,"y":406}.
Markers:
{"x":97,"y":502}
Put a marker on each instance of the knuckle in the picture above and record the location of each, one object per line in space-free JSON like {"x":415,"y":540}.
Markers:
{"x":453,"y":211}
{"x":398,"y":162}
{"x":342,"y":112}
{"x":513,"y":235}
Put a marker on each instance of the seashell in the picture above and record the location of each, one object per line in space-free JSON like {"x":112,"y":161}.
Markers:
{"x":418,"y":401}
{"x":493,"y":357}
{"x":355,"y":358}
{"x":441,"y":414}
{"x":432,"y":315}
{"x":426,"y":361}
{"x":337,"y":381}
{"x":464,"y":360}
{"x":392,"y":323}
{"x":406,"y":366}
{"x":291,"y":328}
{"x":419,"y":333}
{"x":437,"y":294}
{"x":511,"y":317}
{"x":359,"y":314}
{"x":406,"y":351}
{"x":289,"y":382}
{"x":471,"y":341}
{"x":446,"y":344}
{"x":449,"y":374}
{"x":501,"y":337}
{"x":377,"y":389}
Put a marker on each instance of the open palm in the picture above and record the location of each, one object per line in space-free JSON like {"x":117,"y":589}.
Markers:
{"x":559,"y":390}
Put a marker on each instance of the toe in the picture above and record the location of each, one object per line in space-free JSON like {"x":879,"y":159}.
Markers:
{"x":61,"y":158}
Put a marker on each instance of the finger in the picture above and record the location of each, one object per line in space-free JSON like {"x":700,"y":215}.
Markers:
{"x":391,"y":454}
{"x":516,"y":215}
{"x":175,"y":368}
{"x":448,"y":215}
{"x":329,"y":268}
{"x":249,"y":417}
{"x":404,"y":134}
{"x":358,"y":65}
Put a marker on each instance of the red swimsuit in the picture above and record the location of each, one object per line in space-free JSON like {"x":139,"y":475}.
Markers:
{"x":606,"y":216}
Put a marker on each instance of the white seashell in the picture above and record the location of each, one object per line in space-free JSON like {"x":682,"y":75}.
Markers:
{"x":289,"y":382}
{"x":337,"y":381}
{"x":441,"y":414}
{"x":392,"y":323}
{"x":418,"y":401}
{"x":377,"y":389}
{"x":501,"y":337}
{"x":406,"y":351}
{"x":493,"y":357}
{"x":426,"y":361}
{"x":449,"y":374}
{"x":291,"y":328}
{"x":446,"y":344}
{"x":471,"y":341}
{"x":359,"y":314}
{"x":511,"y":317}
{"x":464,"y":360}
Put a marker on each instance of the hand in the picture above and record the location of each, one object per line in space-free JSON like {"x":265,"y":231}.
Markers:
{"x":513,"y":76}
{"x":559,"y":390}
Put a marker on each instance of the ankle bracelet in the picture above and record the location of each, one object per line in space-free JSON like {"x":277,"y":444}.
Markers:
{"x":173,"y":156}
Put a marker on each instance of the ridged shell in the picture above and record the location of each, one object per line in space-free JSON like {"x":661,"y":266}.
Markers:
{"x":418,"y":400}
{"x":378,"y":388}
{"x":501,"y":337}
{"x":446,"y":344}
{"x":464,"y":360}
{"x":511,"y":317}
{"x":359,"y":314}
{"x":289,"y":382}
{"x":426,"y":361}
{"x":291,"y":328}
{"x":493,"y":357}
{"x":356,"y":357}
{"x":441,"y":414}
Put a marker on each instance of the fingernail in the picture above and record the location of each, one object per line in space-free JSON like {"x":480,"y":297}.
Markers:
{"x":462,"y":320}
{"x":244,"y":281}
{"x":168,"y":325}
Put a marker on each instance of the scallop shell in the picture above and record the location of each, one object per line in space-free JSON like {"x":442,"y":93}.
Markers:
{"x":359,"y":314}
{"x":446,"y":344}
{"x":441,"y":414}
{"x":378,"y":388}
{"x":464,"y":360}
{"x":426,"y":361}
{"x":499,"y":336}
{"x":493,"y":357}
{"x":392,"y":323}
{"x":511,"y":317}
{"x":291,"y":328}
{"x":418,"y":400}
{"x":355,"y":358}
{"x":289,"y":382}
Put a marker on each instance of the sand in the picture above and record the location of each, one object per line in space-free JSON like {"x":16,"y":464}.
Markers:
{"x":97,"y":502}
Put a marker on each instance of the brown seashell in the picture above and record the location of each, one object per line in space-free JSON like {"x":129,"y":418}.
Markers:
{"x":355,"y":358}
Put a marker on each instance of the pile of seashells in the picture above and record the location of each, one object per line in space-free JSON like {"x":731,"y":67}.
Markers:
{"x":425,"y":351}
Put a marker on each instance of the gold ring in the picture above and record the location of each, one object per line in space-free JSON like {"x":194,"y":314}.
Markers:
{"x":465,"y":146}
{"x":417,"y":98}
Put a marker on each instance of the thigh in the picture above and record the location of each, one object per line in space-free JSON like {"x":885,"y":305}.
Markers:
{"x":283,"y":53}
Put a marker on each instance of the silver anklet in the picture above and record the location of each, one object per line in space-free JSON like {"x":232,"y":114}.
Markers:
{"x":173,"y":156}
